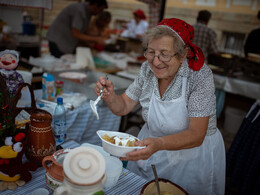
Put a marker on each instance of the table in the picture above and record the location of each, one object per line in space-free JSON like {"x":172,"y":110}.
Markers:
{"x":82,"y":124}
{"x":237,"y":86}
{"x":128,"y":183}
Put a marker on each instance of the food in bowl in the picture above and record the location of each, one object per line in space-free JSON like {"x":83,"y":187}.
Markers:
{"x":164,"y":193}
{"x":117,"y":150}
{"x":128,"y":142}
{"x":166,"y":187}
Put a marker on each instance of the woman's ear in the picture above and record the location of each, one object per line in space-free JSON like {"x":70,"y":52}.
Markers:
{"x":186,"y":55}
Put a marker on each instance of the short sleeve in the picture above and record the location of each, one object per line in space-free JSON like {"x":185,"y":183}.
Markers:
{"x":78,"y":21}
{"x":201,"y":100}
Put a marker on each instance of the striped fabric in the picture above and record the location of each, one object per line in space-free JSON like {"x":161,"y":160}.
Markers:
{"x":128,"y":183}
{"x":206,"y":39}
{"x":82,"y":123}
{"x":154,"y":11}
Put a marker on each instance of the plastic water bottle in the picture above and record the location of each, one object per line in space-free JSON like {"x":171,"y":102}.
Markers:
{"x":60,"y":122}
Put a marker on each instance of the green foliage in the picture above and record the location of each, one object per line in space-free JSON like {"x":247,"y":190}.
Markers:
{"x":7,"y":123}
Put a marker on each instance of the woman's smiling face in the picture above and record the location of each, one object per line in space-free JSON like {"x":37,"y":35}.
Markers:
{"x":8,"y":62}
{"x":163,"y":46}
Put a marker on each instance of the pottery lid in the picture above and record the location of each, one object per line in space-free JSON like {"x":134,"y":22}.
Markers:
{"x":84,"y":166}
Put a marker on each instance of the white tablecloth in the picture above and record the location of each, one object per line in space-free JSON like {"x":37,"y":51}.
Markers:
{"x":237,"y":86}
{"x":82,"y":124}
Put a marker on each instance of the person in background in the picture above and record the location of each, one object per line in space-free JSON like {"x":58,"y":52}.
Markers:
{"x":205,"y":37}
{"x":252,"y":44}
{"x":98,"y":26}
{"x":137,"y":26}
{"x":175,"y":89}
{"x":69,"y":27}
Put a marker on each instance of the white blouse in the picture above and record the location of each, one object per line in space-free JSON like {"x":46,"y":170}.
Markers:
{"x":200,"y":91}
{"x":134,"y":29}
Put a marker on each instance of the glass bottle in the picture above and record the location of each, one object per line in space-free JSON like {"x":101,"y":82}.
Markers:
{"x":59,"y":87}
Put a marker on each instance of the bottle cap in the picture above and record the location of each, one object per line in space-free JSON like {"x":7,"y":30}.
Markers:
{"x":59,"y":100}
{"x":59,"y":83}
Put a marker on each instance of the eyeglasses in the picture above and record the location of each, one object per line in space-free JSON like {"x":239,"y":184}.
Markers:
{"x":162,"y":57}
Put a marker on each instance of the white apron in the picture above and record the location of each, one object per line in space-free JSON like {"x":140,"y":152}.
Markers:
{"x":199,"y":170}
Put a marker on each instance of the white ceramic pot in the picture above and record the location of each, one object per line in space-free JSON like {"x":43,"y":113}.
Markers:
{"x":84,"y":172}
{"x":51,"y":182}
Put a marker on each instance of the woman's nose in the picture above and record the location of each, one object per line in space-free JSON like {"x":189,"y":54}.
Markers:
{"x":156,"y":60}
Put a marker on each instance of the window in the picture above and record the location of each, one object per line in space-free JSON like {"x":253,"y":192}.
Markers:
{"x":232,"y":43}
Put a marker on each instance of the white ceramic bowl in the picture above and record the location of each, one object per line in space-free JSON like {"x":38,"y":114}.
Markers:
{"x":74,"y":76}
{"x":119,"y":151}
{"x":113,"y":171}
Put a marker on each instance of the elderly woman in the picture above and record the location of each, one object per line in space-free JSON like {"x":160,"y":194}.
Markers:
{"x":176,"y":91}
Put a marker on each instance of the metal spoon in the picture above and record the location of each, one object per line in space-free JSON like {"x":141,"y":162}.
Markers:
{"x":156,"y":180}
{"x":93,"y":104}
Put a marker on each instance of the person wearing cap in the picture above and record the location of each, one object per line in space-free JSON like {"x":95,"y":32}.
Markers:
{"x":69,"y":27}
{"x":205,"y":37}
{"x":175,"y":89}
{"x":137,"y":26}
{"x":8,"y":63}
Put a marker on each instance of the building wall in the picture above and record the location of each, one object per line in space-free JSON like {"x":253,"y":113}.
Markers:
{"x":225,"y":15}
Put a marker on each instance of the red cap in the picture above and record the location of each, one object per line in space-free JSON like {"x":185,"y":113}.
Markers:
{"x":186,"y":33}
{"x":140,"y":14}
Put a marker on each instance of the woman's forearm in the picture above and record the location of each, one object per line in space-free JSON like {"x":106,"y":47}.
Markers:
{"x":192,"y":137}
{"x":83,"y":37}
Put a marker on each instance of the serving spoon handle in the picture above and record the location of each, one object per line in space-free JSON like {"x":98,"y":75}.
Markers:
{"x":156,"y":180}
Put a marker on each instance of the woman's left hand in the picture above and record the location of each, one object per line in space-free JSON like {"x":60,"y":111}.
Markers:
{"x":152,"y":146}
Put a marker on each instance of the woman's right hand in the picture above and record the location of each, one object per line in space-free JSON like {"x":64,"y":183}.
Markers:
{"x":119,"y":104}
{"x":108,"y":93}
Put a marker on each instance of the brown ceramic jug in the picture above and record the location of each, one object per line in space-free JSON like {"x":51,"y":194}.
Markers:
{"x":54,"y":164}
{"x":41,"y":141}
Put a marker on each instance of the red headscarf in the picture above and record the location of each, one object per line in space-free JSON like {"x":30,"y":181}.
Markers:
{"x":186,"y":33}
{"x":140,"y":14}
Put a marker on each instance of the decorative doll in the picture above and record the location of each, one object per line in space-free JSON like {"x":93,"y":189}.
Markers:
{"x":8,"y":63}
{"x":13,"y":171}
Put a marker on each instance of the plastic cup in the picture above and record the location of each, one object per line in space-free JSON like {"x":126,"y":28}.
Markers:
{"x":40,"y":191}
{"x":113,"y":171}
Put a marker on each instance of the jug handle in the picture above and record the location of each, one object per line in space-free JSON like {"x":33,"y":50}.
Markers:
{"x":46,"y":159}
{"x":61,"y":190}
